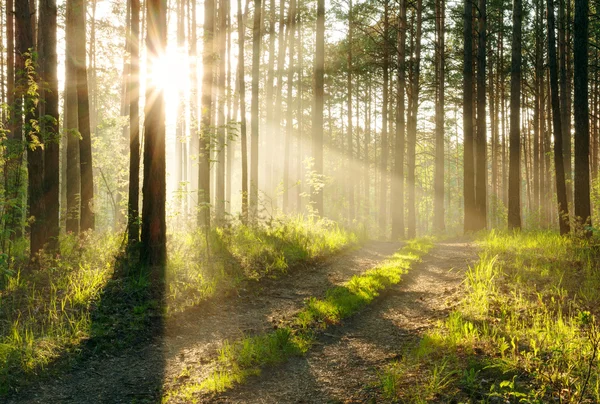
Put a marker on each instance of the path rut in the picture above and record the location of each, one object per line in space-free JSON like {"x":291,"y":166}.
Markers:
{"x":191,"y":340}
{"x":344,"y":365}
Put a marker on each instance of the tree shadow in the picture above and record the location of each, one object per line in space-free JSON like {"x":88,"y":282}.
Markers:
{"x":126,"y":322}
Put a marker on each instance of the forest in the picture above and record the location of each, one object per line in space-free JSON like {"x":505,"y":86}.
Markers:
{"x":303,"y":201}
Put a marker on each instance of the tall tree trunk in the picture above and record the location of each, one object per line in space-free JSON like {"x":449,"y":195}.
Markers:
{"x":271,"y":127}
{"x":24,"y":112}
{"x":254,"y":111}
{"x":71,"y":122}
{"x":564,"y":88}
{"x":154,"y":229}
{"x":317,"y":121}
{"x":538,"y":105}
{"x":10,"y":58}
{"x":242,"y":97}
{"x":133,"y":228}
{"x":438,"y":220}
{"x":561,"y":190}
{"x":514,"y":182}
{"x":194,"y":141}
{"x":383,"y":167}
{"x":480,"y":139}
{"x":367,"y":190}
{"x":206,"y":115}
{"x":468,"y":154}
{"x":412,"y":125}
{"x":222,"y":100}
{"x":180,"y":134}
{"x":289,"y":122}
{"x":582,"y":123}
{"x":232,"y":108}
{"x":49,"y":118}
{"x":399,"y":145}
{"x":83,"y":118}
{"x":350,"y":134}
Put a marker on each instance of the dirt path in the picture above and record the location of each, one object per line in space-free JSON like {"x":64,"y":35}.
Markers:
{"x":190,"y":341}
{"x":344,"y":365}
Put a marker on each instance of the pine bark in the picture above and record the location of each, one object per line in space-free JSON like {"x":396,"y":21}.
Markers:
{"x":49,"y":119}
{"x":221,"y":122}
{"x":254,"y":111}
{"x":438,"y":219}
{"x":242,"y":98}
{"x":468,"y":153}
{"x":514,"y":181}
{"x":582,"y":123}
{"x":412,"y":125}
{"x":481,"y":178}
{"x":72,"y":123}
{"x":383,"y":162}
{"x":206,"y":116}
{"x":83,"y":119}
{"x":399,"y":144}
{"x":317,"y":121}
{"x":561,"y":189}
{"x":133,"y":92}
{"x":153,"y":250}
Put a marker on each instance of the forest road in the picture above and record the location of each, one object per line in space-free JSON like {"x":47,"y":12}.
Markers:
{"x":190,"y":341}
{"x":345,"y":364}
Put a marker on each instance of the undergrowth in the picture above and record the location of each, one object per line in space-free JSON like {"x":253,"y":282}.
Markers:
{"x":245,"y":357}
{"x":93,"y":291}
{"x":525,"y":332}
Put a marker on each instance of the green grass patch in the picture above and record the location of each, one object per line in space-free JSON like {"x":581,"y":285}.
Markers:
{"x":239,"y":359}
{"x":526,"y":330}
{"x":238,"y":253}
{"x":94,"y":292}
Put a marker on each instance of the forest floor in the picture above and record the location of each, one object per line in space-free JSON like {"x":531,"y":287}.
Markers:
{"x":342,"y":366}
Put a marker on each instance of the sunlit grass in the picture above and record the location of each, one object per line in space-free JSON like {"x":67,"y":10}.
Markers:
{"x":526,"y":330}
{"x":239,"y":252}
{"x":48,"y":309}
{"x":240,"y":359}
{"x":45,"y":309}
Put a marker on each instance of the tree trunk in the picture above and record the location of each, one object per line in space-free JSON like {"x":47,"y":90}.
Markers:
{"x":24,"y":112}
{"x":206,"y":116}
{"x":242,"y":97}
{"x":412,"y":126}
{"x":350,"y":134}
{"x":383,"y":167}
{"x":582,"y":123}
{"x":561,"y":190}
{"x":317,"y":124}
{"x":564,"y":88}
{"x":438,"y":220}
{"x":133,"y":228}
{"x":254,"y":111}
{"x":49,"y":119}
{"x":399,"y":145}
{"x":480,"y":139}
{"x":222,"y":100}
{"x":154,"y":230}
{"x":514,"y":181}
{"x":83,"y":118}
{"x":468,"y":163}
{"x":289,"y":122}
{"x":71,"y":122}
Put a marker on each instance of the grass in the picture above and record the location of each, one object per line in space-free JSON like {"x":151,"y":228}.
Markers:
{"x":526,"y":330}
{"x":92,"y":292}
{"x":240,"y":359}
{"x":45,"y":308}
{"x":239,"y":253}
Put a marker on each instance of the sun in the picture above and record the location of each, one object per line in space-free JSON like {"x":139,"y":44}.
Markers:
{"x":170,"y":73}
